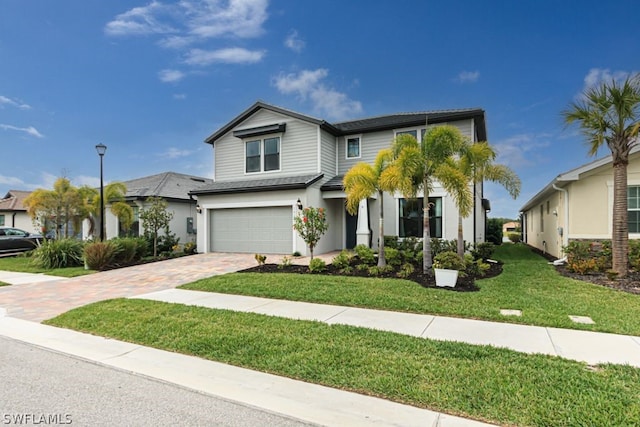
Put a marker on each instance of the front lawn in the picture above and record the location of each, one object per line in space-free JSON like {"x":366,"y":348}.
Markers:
{"x":527,"y":283}
{"x":24,"y":264}
{"x":481,"y":382}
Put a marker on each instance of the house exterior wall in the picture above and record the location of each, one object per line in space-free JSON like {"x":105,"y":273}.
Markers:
{"x":542,"y":224}
{"x":21,"y":220}
{"x":298,"y":148}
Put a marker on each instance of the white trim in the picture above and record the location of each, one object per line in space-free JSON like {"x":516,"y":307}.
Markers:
{"x":319,"y":149}
{"x":337,"y":139}
{"x":346,"y":146}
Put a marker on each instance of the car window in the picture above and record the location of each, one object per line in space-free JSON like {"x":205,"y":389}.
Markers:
{"x":2,"y":233}
{"x":15,"y":232}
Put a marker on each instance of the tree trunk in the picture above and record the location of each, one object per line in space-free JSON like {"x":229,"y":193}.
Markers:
{"x":427,"y":259}
{"x":460,"y":238}
{"x":620,"y":232}
{"x":382,"y":262}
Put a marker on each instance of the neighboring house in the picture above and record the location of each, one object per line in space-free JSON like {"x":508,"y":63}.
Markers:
{"x":268,"y":161}
{"x":510,"y":227}
{"x":13,"y":213}
{"x":578,"y":205}
{"x":174,"y":189}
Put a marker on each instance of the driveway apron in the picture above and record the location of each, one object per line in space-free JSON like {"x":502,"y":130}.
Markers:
{"x":40,"y":301}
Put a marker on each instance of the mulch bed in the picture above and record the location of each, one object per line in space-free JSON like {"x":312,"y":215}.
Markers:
{"x":630,"y":284}
{"x":464,"y":284}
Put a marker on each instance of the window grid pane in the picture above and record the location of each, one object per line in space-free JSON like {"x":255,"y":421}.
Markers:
{"x":253,"y":156}
{"x":411,"y":214}
{"x":353,"y":147}
{"x":633,"y":209}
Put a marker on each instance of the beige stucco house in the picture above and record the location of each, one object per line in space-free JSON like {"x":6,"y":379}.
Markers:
{"x":13,"y":213}
{"x":578,"y":204}
{"x":269,"y":161}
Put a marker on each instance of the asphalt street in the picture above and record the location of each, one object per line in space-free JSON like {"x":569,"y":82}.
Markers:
{"x":41,"y":387}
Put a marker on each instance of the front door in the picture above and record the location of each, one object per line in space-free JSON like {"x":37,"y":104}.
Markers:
{"x":351,"y":226}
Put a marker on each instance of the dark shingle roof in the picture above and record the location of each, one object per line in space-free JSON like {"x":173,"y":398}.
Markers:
{"x":399,"y":120}
{"x":334,"y":183}
{"x":168,"y":185}
{"x":371,"y":124}
{"x":270,"y":184}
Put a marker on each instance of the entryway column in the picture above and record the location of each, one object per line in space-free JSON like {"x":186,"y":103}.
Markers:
{"x":362,"y":232}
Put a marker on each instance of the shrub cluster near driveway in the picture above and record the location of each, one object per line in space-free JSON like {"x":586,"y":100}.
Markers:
{"x":527,"y":283}
{"x":481,"y":382}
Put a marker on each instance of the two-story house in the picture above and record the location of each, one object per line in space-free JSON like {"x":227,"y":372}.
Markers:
{"x":270,"y":162}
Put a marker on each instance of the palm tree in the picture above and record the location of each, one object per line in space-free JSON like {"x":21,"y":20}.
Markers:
{"x":59,"y":205}
{"x":476,"y":163}
{"x":609,"y":113}
{"x":114,"y":195}
{"x":363,"y":181}
{"x":417,"y":166}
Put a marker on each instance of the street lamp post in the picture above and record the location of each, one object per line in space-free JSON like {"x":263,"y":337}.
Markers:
{"x":101,"y":149}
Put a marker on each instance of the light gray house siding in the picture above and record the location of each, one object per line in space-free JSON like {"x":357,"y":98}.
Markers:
{"x":298,"y":148}
{"x":327,"y":155}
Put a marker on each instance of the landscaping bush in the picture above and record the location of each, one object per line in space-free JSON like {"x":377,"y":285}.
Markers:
{"x":514,"y":237}
{"x":449,"y":260}
{"x":391,"y":242}
{"x":190,"y":248}
{"x":343,"y":259}
{"x":494,"y":231}
{"x":125,"y":250}
{"x":483,"y":250}
{"x":584,"y":257}
{"x":60,"y":253}
{"x":440,"y":245}
{"x":393,"y":257}
{"x":100,"y":255}
{"x":365,"y":254}
{"x":317,"y":265}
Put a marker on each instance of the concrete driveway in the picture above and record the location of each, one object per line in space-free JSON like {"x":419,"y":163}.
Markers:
{"x":46,"y":299}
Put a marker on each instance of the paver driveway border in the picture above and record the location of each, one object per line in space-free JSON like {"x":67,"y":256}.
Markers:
{"x":43,"y":300}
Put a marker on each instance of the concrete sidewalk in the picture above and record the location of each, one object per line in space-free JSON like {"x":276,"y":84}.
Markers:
{"x":585,"y":346}
{"x":297,"y":399}
{"x":15,"y":278}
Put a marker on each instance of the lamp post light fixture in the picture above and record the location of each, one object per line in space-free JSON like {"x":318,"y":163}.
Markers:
{"x":101,"y":149}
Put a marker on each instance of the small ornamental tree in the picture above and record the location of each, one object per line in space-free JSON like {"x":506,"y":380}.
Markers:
{"x":155,"y":218}
{"x":311,"y":225}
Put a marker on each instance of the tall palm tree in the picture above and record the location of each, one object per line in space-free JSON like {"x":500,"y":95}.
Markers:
{"x":363,"y":181}
{"x":609,"y":113}
{"x":418,"y":165}
{"x":476,"y":163}
{"x":60,"y":205}
{"x":114,"y":193}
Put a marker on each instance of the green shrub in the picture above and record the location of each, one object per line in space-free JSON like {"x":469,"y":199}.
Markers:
{"x":448,"y":260}
{"x":343,"y":259}
{"x":100,"y":255}
{"x":374,"y":270}
{"x":391,"y":242}
{"x":405,"y":271}
{"x":586,"y":257}
{"x":190,"y":248}
{"x":286,"y":262}
{"x":475,"y":267}
{"x":125,"y":250}
{"x":483,"y":250}
{"x":317,"y":265}
{"x":440,"y":245}
{"x":60,"y":253}
{"x":393,"y":257}
{"x":365,"y":254}
{"x":143,"y":248}
{"x":514,"y":237}
{"x":634,"y":254}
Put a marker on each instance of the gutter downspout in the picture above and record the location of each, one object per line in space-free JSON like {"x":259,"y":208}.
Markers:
{"x":565,"y":229}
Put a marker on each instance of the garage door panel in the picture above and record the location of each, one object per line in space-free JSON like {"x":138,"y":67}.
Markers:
{"x":249,"y":230}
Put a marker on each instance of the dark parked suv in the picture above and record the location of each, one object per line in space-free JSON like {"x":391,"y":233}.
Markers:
{"x":16,"y":240}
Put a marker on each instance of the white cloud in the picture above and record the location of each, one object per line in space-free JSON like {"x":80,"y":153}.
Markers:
{"x":89,"y":181}
{"x":170,"y":76}
{"x":308,"y":84}
{"x":236,"y":55}
{"x":294,"y":42}
{"x":192,"y":20}
{"x":596,"y":76}
{"x":468,"y":77}
{"x":13,"y":103}
{"x":522,"y":150}
{"x":141,"y":21}
{"x":12,"y":181}
{"x":179,"y":96}
{"x":174,"y":153}
{"x":28,"y":130}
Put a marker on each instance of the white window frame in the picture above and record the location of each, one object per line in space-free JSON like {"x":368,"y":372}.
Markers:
{"x":420,"y":131}
{"x":346,"y":147}
{"x":262,"y":139}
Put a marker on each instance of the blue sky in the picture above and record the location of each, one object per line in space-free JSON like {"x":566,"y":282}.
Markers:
{"x":152,"y":79}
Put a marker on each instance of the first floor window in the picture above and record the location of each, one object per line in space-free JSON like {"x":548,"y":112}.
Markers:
{"x":1,"y":219}
{"x":633,"y":208}
{"x":411,"y":213}
{"x":134,"y":230}
{"x":262,"y":155}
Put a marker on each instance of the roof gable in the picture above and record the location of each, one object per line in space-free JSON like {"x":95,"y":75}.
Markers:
{"x":168,"y":185}
{"x":14,"y":200}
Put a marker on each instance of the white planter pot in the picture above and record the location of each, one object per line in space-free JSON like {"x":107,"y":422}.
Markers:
{"x":446,"y":277}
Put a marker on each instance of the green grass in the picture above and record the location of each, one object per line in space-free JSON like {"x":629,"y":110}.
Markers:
{"x":4,"y":284}
{"x":24,"y":264}
{"x":481,"y":382}
{"x":527,"y":283}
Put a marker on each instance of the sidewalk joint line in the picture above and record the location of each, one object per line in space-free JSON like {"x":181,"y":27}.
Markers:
{"x":337,"y":314}
{"x":424,"y":331}
{"x":553,"y":344}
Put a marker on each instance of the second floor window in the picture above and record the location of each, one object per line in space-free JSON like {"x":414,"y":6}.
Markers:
{"x":353,"y":148}
{"x":262,"y":155}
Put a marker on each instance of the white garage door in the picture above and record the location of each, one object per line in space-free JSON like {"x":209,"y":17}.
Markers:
{"x":267,"y":230}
